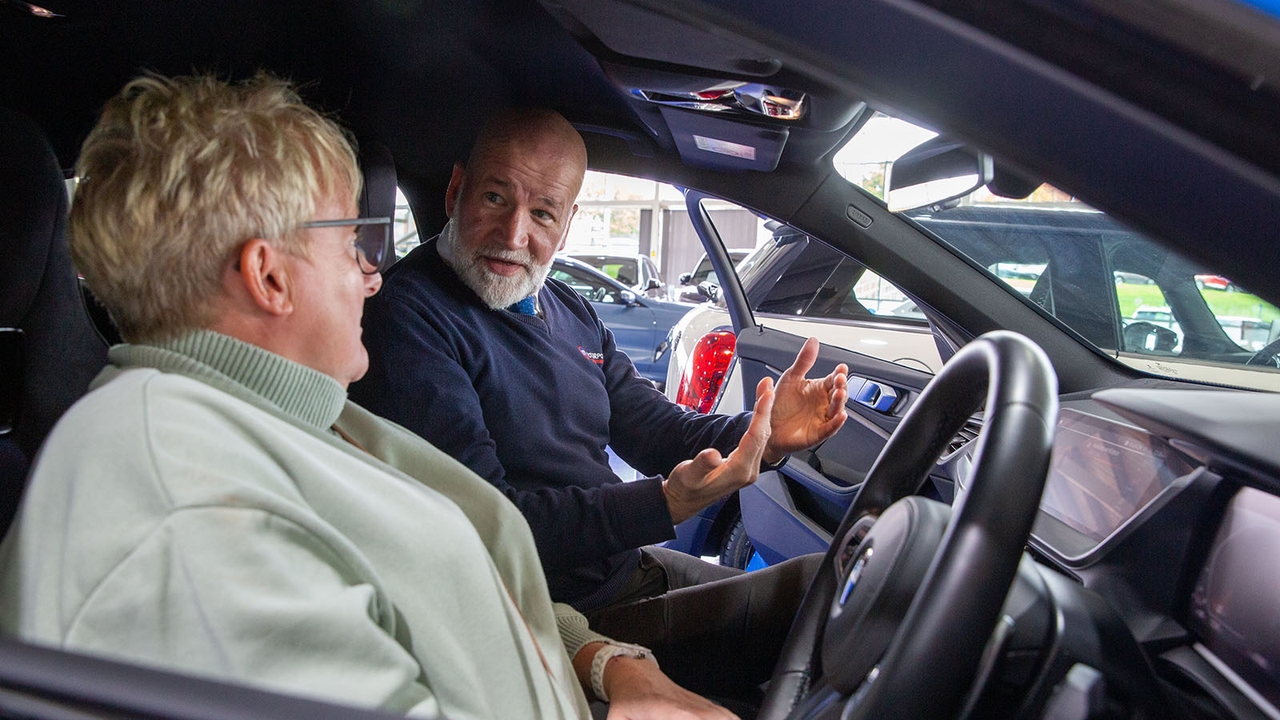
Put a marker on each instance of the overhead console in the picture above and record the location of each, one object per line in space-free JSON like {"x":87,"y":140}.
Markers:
{"x":723,"y":102}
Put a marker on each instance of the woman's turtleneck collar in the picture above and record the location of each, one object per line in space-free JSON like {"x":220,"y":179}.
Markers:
{"x":297,"y":390}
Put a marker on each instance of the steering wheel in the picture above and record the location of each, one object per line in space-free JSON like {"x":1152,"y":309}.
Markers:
{"x":897,"y":618}
{"x":1267,"y":356}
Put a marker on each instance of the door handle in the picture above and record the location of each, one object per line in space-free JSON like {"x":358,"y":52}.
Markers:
{"x":877,"y":396}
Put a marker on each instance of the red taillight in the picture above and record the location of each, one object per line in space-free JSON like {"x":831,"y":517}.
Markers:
{"x":705,"y":373}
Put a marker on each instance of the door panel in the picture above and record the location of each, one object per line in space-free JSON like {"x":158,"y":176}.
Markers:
{"x":777,"y":528}
{"x":795,"y":509}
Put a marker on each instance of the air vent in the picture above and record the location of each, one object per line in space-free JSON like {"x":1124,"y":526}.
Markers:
{"x":967,"y":434}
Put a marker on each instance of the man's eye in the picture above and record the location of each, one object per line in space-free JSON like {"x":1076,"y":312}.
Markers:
{"x":543,"y":215}
{"x":492,"y":197}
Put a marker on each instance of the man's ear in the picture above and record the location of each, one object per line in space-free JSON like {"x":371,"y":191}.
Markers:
{"x":263,"y":273}
{"x":455,"y":188}
{"x":564,"y":237}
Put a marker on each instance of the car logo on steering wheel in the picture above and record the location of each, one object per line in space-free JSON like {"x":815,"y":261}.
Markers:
{"x":858,"y":566}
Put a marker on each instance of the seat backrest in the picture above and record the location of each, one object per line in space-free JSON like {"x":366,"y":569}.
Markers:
{"x":49,"y":349}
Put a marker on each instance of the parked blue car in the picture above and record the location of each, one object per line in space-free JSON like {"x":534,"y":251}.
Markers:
{"x":640,"y":325}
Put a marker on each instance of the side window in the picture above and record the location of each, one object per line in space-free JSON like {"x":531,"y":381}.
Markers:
{"x":792,"y":274}
{"x":798,"y":284}
{"x":823,"y":283}
{"x":649,"y":274}
{"x":405,"y":227}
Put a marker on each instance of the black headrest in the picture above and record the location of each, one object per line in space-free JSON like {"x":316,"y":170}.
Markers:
{"x":378,"y":197}
{"x":33,"y":210}
{"x":39,"y":291}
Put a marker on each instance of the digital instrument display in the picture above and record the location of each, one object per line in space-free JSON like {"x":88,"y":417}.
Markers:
{"x":1235,"y":607}
{"x":1103,"y":472}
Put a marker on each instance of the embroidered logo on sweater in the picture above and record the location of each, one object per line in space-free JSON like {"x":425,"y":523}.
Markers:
{"x":595,"y":357}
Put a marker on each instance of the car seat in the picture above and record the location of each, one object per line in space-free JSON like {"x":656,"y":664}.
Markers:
{"x":51,"y":350}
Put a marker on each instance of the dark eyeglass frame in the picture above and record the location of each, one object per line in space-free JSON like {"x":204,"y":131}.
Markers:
{"x":373,"y":240}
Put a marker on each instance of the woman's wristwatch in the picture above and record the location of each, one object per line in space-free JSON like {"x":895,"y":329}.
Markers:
{"x":609,"y":651}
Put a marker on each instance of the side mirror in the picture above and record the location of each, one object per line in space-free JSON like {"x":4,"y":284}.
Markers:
{"x":709,"y":291}
{"x":934,"y":172}
{"x":685,"y":278}
{"x":654,"y":284}
{"x":628,"y":298}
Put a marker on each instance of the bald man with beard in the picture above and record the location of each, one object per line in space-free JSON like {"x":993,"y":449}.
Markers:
{"x":513,"y":375}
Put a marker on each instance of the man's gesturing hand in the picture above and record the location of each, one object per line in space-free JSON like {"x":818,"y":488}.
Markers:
{"x":806,"y":412}
{"x":695,"y":484}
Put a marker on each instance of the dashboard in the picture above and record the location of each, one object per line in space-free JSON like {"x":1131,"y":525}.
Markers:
{"x":1158,"y":530}
{"x":1235,"y":605}
{"x":1165,"y":502}
{"x":1103,"y":474}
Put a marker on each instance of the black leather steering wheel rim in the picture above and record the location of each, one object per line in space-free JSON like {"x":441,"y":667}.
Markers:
{"x":928,"y":667}
{"x":1268,"y":352}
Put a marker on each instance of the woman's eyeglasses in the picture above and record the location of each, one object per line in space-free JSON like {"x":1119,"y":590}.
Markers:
{"x":373,"y":240}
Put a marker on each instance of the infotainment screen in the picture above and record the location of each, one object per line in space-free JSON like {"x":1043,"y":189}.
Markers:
{"x":1103,"y":472}
{"x":1235,"y":607}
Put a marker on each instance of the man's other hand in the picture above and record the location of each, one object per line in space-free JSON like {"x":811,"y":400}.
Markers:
{"x":806,"y":412}
{"x":695,"y":484}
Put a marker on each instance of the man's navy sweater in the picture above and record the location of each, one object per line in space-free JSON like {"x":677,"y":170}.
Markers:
{"x":530,"y":403}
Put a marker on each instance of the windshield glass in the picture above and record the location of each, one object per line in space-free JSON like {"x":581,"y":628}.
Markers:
{"x":1128,"y":296}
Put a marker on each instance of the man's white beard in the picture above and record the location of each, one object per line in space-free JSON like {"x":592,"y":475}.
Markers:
{"x":496,"y":291}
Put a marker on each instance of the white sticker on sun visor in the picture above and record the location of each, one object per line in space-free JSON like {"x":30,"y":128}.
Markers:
{"x":724,"y":147}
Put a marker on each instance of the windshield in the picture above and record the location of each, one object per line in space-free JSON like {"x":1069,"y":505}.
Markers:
{"x":1128,"y":296}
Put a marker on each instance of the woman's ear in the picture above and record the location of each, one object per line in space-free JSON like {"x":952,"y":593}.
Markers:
{"x":263,"y":273}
